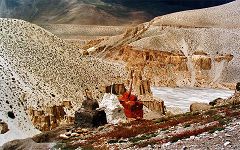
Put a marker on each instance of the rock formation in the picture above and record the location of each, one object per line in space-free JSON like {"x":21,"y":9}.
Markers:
{"x":199,"y":107}
{"x":217,"y":102}
{"x":50,"y":117}
{"x":89,"y":115}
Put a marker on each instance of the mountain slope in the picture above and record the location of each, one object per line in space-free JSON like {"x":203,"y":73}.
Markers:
{"x":39,"y":70}
{"x":188,"y":45}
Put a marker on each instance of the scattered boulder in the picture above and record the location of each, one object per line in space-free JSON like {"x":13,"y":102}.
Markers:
{"x":227,"y":143}
{"x":199,"y":107}
{"x":217,"y":102}
{"x":3,"y":127}
{"x":235,"y":99}
{"x":89,"y":115}
{"x":113,"y":108}
{"x":11,"y":115}
{"x":63,"y":136}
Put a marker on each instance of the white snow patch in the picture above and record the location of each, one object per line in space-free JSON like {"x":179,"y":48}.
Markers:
{"x":184,"y":97}
{"x":14,"y":131}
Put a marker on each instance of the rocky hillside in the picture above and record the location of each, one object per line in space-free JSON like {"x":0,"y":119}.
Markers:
{"x":177,"y":53}
{"x":40,"y":71}
{"x":45,"y":77}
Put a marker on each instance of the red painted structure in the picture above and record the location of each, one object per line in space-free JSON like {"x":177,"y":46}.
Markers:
{"x":132,"y":107}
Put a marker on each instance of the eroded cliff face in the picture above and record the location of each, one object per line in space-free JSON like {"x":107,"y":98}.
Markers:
{"x":50,"y":117}
{"x":175,"y":55}
{"x":174,"y":69}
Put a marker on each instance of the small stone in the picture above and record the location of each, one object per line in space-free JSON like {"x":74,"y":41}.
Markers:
{"x":227,"y":135}
{"x":184,"y":148}
{"x":166,"y":144}
{"x":74,"y":134}
{"x":149,"y":146}
{"x":227,"y":143}
{"x":192,"y":137}
{"x":84,"y":130}
{"x":238,"y":123}
{"x":68,"y":129}
{"x":100,"y":128}
{"x":63,"y":136}
{"x":203,"y":134}
{"x":68,"y":133}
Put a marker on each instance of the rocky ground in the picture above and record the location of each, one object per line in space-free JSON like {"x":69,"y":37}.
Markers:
{"x":225,"y":139}
{"x":216,"y":128}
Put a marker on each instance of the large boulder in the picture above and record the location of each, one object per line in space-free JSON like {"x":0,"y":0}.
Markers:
{"x":113,"y":108}
{"x":199,"y":107}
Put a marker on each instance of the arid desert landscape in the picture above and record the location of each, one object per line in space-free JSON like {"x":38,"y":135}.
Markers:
{"x":112,"y":75}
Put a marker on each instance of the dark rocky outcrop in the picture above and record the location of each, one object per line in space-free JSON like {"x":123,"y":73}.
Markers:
{"x":217,"y":102}
{"x":89,"y":115}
